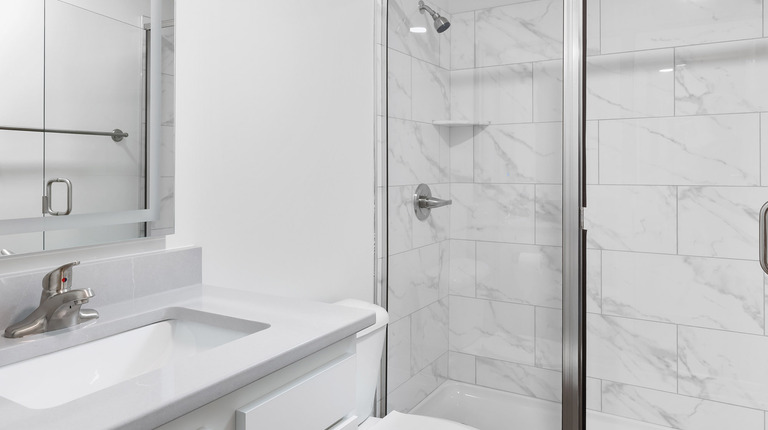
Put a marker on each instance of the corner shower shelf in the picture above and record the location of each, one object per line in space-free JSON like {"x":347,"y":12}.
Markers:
{"x":459,"y":123}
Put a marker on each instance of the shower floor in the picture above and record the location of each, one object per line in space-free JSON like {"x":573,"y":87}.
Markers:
{"x":489,"y":409}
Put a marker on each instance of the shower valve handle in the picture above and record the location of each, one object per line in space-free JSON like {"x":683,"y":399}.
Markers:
{"x":423,"y":202}
{"x":433,"y":202}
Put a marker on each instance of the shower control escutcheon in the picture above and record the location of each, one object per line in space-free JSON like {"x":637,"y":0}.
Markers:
{"x":423,"y":202}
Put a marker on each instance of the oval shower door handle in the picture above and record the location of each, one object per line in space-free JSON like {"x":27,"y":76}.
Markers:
{"x":48,"y":193}
{"x":423,"y":202}
{"x":763,"y":238}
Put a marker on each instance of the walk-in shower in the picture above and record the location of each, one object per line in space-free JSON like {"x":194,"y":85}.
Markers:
{"x":481,"y":292}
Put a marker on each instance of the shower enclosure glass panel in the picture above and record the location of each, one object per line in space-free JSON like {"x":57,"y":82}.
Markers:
{"x":677,"y":172}
{"x":475,"y":290}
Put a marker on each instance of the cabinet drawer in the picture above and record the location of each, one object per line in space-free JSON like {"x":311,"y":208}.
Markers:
{"x":315,"y":401}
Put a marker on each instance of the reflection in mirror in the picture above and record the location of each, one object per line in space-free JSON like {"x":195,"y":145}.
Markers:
{"x":73,"y":74}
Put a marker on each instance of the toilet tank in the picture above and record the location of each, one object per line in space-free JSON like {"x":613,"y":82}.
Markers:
{"x":370,"y":346}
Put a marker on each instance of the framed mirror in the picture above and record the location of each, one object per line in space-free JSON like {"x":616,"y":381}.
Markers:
{"x":86,"y":122}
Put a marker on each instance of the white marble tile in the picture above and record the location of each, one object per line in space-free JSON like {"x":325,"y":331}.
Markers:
{"x":702,"y":150}
{"x":629,"y":85}
{"x":504,"y":94}
{"x":548,"y":91}
{"x":628,"y":25}
{"x":593,"y":152}
{"x":462,"y":153}
{"x":519,"y":33}
{"x":435,"y":228}
{"x":400,"y":219}
{"x":462,"y":268}
{"x":431,"y":92}
{"x":168,"y":46}
{"x":464,"y":95}
{"x":632,"y":218}
{"x":413,"y":280}
{"x":462,"y":41}
{"x":398,"y":353}
{"x":399,"y":85}
{"x":720,"y":221}
{"x":516,"y":378}
{"x":519,"y":153}
{"x":429,"y":335}
{"x":444,"y":283}
{"x":498,"y":330}
{"x":594,"y":394}
{"x":499,"y":95}
{"x":415,"y":153}
{"x":457,"y":6}
{"x":167,"y":209}
{"x":631,"y":351}
{"x":419,"y":387}
{"x":724,"y":366}
{"x":676,"y":411}
{"x":704,"y":292}
{"x":549,"y":338}
{"x":594,"y":281}
{"x":549,"y":215}
{"x":503,"y":212}
{"x":169,"y":100}
{"x":461,"y":367}
{"x":593,"y":27}
{"x":527,"y":274}
{"x":404,"y":14}
{"x":446,"y":44}
{"x":721,"y":78}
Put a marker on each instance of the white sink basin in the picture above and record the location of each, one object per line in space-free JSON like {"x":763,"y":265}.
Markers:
{"x":54,"y":379}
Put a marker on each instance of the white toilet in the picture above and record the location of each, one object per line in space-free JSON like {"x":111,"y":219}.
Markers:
{"x":370,"y":346}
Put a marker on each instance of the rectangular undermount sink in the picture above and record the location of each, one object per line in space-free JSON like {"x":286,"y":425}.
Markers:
{"x":176,"y":333}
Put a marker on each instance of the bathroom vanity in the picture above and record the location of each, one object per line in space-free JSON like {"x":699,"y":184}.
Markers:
{"x":189,"y":358}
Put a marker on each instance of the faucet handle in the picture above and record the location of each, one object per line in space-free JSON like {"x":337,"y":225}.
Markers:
{"x":58,"y":280}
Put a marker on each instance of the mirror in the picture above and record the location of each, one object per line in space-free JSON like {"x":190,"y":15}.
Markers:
{"x":87,"y":122}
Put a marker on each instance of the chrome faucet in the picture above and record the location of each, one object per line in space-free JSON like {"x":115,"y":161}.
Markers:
{"x":59,"y":305}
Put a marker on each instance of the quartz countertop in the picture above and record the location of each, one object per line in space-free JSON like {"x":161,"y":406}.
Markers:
{"x":297,"y":329}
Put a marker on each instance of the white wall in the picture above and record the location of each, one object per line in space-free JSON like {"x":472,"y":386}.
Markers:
{"x":275,"y":144}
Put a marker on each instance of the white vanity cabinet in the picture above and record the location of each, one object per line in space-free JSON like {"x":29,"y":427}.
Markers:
{"x":315,"y":393}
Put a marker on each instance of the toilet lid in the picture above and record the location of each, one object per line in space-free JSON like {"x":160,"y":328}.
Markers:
{"x":397,"y":421}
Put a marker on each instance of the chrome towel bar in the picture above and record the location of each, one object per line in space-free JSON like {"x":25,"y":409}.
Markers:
{"x":117,"y":135}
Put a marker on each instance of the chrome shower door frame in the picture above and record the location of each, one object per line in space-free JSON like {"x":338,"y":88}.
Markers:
{"x":574,"y":202}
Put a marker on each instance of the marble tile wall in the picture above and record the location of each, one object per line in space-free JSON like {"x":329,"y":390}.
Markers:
{"x":414,"y":261}
{"x":505,"y":175}
{"x":474,"y":291}
{"x":675,"y":107}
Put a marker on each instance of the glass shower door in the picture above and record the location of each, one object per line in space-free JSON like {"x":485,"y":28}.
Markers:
{"x":677,"y":172}
{"x":475,"y":289}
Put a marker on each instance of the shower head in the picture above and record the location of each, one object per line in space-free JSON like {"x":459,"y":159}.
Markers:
{"x":441,"y":23}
